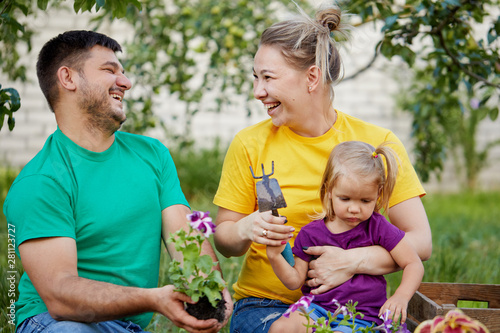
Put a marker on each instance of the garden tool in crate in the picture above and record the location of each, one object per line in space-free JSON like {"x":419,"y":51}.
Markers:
{"x":270,"y":197}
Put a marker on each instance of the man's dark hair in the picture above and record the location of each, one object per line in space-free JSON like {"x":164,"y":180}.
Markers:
{"x":71,"y":49}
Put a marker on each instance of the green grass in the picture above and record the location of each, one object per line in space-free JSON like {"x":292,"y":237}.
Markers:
{"x":465,"y":231}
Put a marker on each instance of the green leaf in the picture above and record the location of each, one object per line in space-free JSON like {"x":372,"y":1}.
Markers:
{"x":191,"y":252}
{"x":205,"y":263}
{"x":42,"y":4}
{"x":493,"y":114}
{"x":455,"y":3}
{"x":389,"y":22}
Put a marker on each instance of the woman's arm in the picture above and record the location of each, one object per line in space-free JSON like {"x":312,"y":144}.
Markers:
{"x":334,"y":266}
{"x":410,"y":217}
{"x":235,"y":231}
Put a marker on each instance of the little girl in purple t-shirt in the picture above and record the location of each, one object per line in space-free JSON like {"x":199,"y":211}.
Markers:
{"x":356,"y":185}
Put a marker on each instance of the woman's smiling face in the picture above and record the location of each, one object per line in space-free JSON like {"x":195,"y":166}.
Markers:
{"x":279,"y":87}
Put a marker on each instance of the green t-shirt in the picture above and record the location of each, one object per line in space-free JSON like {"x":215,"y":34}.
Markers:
{"x":109,"y":202}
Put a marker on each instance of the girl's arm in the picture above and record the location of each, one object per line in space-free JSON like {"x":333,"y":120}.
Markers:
{"x":413,"y":271}
{"x":293,"y":277}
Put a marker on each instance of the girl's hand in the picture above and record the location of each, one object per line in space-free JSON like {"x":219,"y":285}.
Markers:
{"x":264,"y":228}
{"x":274,"y":251}
{"x":397,"y":306}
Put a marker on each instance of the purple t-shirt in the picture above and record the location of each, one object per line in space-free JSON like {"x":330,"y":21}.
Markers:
{"x":368,"y":290}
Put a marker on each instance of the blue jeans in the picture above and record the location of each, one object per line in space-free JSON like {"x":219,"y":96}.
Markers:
{"x":255,"y":314}
{"x":321,"y":312}
{"x":43,"y":322}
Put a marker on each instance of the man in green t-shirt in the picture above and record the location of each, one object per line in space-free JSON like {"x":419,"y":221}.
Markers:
{"x":90,"y":209}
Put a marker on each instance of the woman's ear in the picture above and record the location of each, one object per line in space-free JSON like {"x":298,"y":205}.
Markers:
{"x":313,"y":77}
{"x":66,"y":78}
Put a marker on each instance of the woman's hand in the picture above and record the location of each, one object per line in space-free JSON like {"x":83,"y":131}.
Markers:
{"x":236,"y":232}
{"x":265,"y":228}
{"x":332,"y":267}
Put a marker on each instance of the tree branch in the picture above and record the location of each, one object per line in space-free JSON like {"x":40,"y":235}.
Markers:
{"x":460,"y":65}
{"x":366,"y":67}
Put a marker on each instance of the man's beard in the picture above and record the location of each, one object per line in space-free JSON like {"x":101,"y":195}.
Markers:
{"x":102,"y":116}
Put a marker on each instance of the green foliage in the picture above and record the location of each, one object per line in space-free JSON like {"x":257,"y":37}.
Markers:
{"x":350,"y":315}
{"x":199,"y":170}
{"x":195,"y":275}
{"x":465,"y":238}
{"x":10,"y":102}
{"x":16,"y":34}
{"x":12,"y":34}
{"x":451,"y":57}
{"x":446,"y":122}
{"x":117,"y":8}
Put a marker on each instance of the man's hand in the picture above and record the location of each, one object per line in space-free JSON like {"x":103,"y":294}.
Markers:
{"x":229,"y":307}
{"x":171,"y":305}
{"x":332,"y":267}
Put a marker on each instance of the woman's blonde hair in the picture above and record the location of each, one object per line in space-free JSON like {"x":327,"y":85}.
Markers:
{"x":360,"y":159}
{"x":304,"y":42}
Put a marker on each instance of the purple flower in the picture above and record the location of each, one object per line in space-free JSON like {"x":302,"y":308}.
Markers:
{"x":387,"y":322}
{"x":303,"y":303}
{"x":201,"y":221}
{"x":340,"y":308}
{"x":474,"y":103}
{"x":403,"y":328}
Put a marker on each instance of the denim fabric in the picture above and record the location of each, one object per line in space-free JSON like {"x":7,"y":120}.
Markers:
{"x":43,"y":322}
{"x":321,"y":312}
{"x":255,"y":314}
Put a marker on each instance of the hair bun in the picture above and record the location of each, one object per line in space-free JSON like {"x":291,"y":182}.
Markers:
{"x":329,"y":18}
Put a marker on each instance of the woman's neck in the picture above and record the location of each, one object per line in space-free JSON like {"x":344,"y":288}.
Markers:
{"x":316,"y":123}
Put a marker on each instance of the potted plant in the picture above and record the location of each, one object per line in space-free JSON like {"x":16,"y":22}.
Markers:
{"x":195,"y":276}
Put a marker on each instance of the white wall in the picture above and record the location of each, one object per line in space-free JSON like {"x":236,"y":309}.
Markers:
{"x":369,"y":97}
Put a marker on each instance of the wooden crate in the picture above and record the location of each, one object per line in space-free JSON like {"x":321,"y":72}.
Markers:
{"x":436,"y":299}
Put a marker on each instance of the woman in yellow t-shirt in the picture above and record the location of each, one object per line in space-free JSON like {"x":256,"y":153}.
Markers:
{"x":295,"y":69}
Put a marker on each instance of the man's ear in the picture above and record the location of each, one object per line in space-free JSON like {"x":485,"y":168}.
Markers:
{"x":313,"y":77}
{"x":66,"y":78}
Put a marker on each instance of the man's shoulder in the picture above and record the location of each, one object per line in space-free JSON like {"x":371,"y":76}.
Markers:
{"x":139,"y":141}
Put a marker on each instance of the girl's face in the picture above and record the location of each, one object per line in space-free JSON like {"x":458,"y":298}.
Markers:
{"x":353,"y":201}
{"x":279,"y":87}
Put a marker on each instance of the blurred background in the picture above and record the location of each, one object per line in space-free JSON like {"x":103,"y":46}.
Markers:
{"x":427,"y":70}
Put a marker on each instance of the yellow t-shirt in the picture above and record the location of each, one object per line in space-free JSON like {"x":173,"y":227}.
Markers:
{"x":299,"y":163}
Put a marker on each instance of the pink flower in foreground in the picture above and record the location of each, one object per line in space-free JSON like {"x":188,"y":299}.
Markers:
{"x":303,"y":303}
{"x":455,"y":321}
{"x":201,"y":221}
